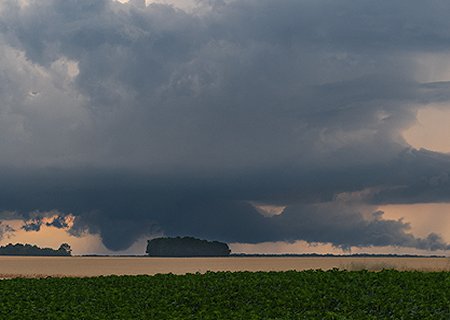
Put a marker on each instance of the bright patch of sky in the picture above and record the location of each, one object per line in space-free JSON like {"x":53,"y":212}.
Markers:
{"x":432,"y":130}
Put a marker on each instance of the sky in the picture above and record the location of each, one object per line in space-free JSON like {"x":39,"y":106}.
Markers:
{"x":277,"y":126}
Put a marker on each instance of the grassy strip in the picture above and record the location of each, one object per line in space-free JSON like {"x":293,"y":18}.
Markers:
{"x":242,"y":295}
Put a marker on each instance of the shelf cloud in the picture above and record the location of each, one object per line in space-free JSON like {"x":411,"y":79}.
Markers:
{"x":143,"y":120}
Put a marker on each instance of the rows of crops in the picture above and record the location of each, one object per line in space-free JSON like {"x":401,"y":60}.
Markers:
{"x":242,"y":295}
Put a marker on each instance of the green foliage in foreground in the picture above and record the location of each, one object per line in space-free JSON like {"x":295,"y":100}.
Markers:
{"x":242,"y":295}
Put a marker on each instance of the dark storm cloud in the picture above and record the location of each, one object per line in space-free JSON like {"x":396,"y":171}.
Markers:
{"x":5,"y":230}
{"x":33,"y":225}
{"x":58,"y":222}
{"x":154,"y":120}
{"x":349,"y":227}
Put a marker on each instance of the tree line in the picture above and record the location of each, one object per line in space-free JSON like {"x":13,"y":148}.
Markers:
{"x":186,"y":247}
{"x":20,"y":249}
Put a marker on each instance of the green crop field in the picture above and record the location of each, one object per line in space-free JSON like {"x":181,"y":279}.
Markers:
{"x":241,"y":295}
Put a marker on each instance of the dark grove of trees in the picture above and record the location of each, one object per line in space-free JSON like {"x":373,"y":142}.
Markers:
{"x":186,"y":247}
{"x":19,"y":249}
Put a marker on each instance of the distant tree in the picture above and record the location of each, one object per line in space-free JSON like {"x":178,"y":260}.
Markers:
{"x":186,"y":247}
{"x":65,"y":249}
